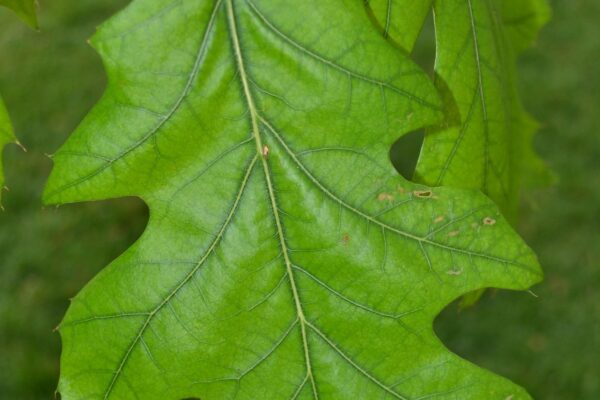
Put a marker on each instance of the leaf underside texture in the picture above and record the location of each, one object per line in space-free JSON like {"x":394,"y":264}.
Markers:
{"x":284,"y":257}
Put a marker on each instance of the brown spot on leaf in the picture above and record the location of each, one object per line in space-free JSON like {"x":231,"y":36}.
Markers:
{"x":385,"y":197}
{"x":424,"y":194}
{"x":439,"y":219}
{"x":453,"y":233}
{"x":265,"y":151}
{"x":489,"y":221}
{"x":345,"y":239}
{"x":454,"y":272}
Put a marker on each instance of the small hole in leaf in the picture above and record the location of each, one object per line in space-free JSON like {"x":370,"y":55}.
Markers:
{"x":404,"y":153}
{"x":424,"y":194}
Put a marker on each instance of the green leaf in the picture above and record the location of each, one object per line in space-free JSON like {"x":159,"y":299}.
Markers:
{"x":6,"y":136}
{"x":485,"y":141}
{"x":24,"y":9}
{"x":474,"y":148}
{"x":284,"y":257}
{"x":523,"y":20}
{"x":400,"y":20}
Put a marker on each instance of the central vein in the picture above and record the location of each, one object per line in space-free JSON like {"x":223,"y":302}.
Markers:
{"x":260,"y":150}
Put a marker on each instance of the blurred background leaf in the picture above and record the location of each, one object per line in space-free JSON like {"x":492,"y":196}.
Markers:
{"x":550,"y":343}
{"x":24,"y":9}
{"x":49,"y":80}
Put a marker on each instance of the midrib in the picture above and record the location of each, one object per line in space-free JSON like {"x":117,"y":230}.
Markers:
{"x":273,"y":201}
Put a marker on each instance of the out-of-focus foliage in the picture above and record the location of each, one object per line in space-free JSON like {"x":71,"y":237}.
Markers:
{"x":6,"y":136}
{"x":24,"y":9}
{"x":48,"y":81}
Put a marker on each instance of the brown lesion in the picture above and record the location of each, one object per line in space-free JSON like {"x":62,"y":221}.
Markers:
{"x":385,"y":197}
{"x":423,"y":194}
{"x":345,"y":239}
{"x":489,"y":221}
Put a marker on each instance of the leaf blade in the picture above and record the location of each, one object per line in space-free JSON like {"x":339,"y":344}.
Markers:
{"x":263,"y":184}
{"x":477,"y":45}
{"x":524,"y":20}
{"x":485,"y":142}
{"x":400,"y":20}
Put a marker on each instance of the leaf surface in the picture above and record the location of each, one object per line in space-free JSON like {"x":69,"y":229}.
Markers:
{"x":523,"y":20}
{"x":485,"y":140}
{"x":284,"y":257}
{"x":24,"y":9}
{"x":400,"y":20}
{"x":473,"y":149}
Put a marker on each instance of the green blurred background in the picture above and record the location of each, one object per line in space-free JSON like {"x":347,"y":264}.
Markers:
{"x":550,"y":343}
